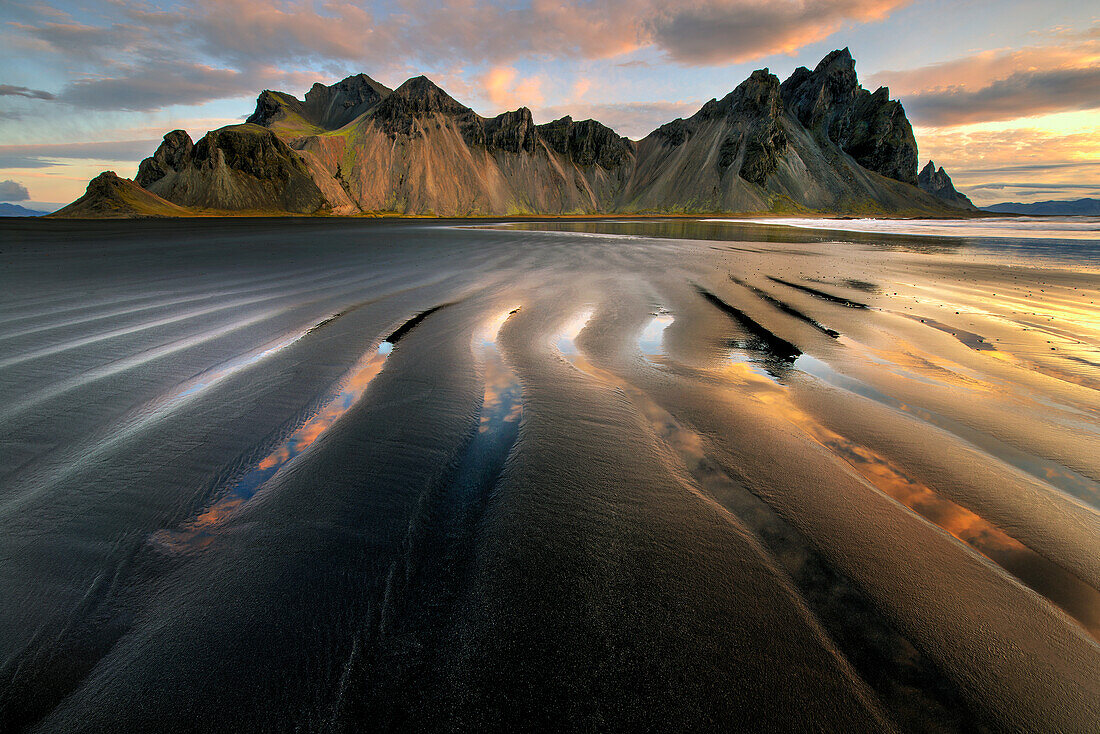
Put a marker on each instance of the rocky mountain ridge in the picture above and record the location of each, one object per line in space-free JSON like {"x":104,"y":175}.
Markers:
{"x":938,"y":183}
{"x":818,"y":142}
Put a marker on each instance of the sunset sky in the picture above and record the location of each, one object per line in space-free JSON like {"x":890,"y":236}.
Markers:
{"x":1005,"y":95}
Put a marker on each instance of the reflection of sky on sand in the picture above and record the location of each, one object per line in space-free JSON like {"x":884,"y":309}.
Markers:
{"x":1063,"y":588}
{"x":1043,"y":469}
{"x":570,"y":331}
{"x":503,"y":403}
{"x":651,"y":340}
{"x":1034,"y":325}
{"x":1071,"y":228}
{"x":197,"y":532}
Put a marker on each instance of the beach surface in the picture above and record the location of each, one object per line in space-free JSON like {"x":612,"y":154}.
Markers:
{"x":666,"y":475}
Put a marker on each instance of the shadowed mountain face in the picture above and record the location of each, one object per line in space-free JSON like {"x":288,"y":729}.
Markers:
{"x":816,"y":142}
{"x":872,"y":128}
{"x":938,"y":183}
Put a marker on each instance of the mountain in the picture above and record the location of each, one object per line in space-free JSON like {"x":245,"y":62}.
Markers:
{"x":1086,"y":207}
{"x":110,"y":196}
{"x":816,"y":142}
{"x":15,"y":210}
{"x":238,"y":168}
{"x":938,"y":183}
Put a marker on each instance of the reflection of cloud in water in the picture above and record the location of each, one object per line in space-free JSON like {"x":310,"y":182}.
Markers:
{"x":196,"y":534}
{"x":1063,"y":588}
{"x":502,"y":402}
{"x":566,"y":341}
{"x":1054,"y":474}
{"x":651,"y":340}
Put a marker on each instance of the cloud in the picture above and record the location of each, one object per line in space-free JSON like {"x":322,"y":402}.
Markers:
{"x":506,"y":90}
{"x":13,"y":191}
{"x":9,"y":90}
{"x":1024,"y":94}
{"x":155,"y":86}
{"x":79,"y":40}
{"x":724,"y":31}
{"x":1002,"y":84}
{"x":1039,"y":155}
{"x":48,"y":154}
{"x":258,"y":31}
{"x":249,"y":33}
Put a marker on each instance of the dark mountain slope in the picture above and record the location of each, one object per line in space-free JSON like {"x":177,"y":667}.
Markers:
{"x":872,"y":128}
{"x":938,"y":183}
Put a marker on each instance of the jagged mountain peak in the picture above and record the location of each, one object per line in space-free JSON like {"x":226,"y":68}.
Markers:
{"x":839,"y":60}
{"x":938,"y":183}
{"x":170,"y":156}
{"x":354,"y":89}
{"x":359,"y":81}
{"x":872,"y":128}
{"x":757,"y":95}
{"x":930,"y":169}
{"x":334,"y":106}
{"x":423,"y":88}
{"x":327,"y":107}
{"x":587,"y":142}
{"x":418,"y":97}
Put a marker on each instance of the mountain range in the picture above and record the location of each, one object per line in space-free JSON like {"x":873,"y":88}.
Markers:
{"x":817,"y":142}
{"x":1088,"y":207}
{"x":16,"y":210}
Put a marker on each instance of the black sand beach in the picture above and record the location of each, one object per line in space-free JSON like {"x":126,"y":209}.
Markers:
{"x":335,"y":475}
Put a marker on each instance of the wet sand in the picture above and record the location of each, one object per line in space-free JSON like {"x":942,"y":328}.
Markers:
{"x":642,"y":476}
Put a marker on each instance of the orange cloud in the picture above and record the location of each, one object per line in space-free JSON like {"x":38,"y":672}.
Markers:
{"x":1002,"y":84}
{"x":506,"y":90}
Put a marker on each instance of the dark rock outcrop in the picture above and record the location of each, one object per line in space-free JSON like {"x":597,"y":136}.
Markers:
{"x":755,"y":140}
{"x":171,"y":157}
{"x":938,"y":183}
{"x":586,"y":142}
{"x":324,"y":107}
{"x":511,"y":132}
{"x":335,"y":106}
{"x":272,"y":107}
{"x":417,"y":99}
{"x":872,"y":128}
{"x":746,"y":121}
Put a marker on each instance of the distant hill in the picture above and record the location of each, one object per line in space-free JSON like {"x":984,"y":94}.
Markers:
{"x":818,"y":142}
{"x":111,"y":197}
{"x":14,"y":210}
{"x":1088,"y":207}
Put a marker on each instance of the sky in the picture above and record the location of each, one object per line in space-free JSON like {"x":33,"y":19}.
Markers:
{"x":1005,"y":95}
